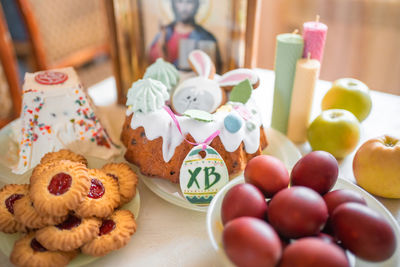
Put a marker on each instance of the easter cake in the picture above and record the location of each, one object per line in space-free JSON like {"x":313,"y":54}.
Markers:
{"x":166,"y":117}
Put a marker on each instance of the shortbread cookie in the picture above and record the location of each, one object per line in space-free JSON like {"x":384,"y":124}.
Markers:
{"x":70,"y":234}
{"x":26,"y":214}
{"x":115,"y":233}
{"x":64,"y":154}
{"x":103,"y":196}
{"x":126,"y":177}
{"x":58,"y":187}
{"x":8,"y":195}
{"x":28,"y":252}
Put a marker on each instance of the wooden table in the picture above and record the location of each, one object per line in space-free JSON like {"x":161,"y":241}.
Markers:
{"x":172,"y":236}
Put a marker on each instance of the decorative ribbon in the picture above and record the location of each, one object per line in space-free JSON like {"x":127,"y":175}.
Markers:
{"x":204,"y":144}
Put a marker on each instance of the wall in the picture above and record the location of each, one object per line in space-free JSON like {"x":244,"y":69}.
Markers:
{"x":363,"y":38}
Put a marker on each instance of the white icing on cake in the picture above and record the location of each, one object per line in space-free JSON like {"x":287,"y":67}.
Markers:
{"x":58,"y":116}
{"x":160,"y":124}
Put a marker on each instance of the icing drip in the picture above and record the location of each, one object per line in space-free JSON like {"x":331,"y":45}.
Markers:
{"x":160,"y":124}
{"x":164,"y":72}
{"x":147,"y":95}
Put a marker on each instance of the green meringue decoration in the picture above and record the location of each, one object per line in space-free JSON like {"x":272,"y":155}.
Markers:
{"x":164,"y":72}
{"x":147,"y":95}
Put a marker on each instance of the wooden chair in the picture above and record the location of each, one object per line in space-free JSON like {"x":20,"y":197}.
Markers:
{"x":10,"y":93}
{"x":252,"y":32}
{"x":65,"y":33}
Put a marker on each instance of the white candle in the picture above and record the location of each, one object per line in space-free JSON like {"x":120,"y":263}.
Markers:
{"x":307,"y":72}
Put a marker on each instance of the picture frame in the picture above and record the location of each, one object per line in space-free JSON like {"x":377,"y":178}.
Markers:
{"x":143,"y":30}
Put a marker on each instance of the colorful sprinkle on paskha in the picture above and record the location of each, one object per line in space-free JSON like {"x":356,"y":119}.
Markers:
{"x":30,"y":91}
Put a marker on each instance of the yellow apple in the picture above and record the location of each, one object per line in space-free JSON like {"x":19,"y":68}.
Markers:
{"x":376,"y":166}
{"x":349,"y":94}
{"x":336,"y":131}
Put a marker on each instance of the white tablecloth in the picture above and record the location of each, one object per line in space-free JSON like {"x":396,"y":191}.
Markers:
{"x":168,"y":235}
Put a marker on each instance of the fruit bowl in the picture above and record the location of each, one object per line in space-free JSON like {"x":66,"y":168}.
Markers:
{"x":215,"y":227}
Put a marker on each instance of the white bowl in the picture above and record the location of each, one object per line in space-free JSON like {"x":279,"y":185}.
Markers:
{"x":215,"y":227}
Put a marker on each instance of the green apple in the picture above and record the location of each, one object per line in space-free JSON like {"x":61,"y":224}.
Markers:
{"x":349,"y":94}
{"x":376,"y":166}
{"x":336,"y":131}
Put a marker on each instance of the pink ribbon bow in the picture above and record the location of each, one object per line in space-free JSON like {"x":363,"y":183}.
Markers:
{"x":204,"y":144}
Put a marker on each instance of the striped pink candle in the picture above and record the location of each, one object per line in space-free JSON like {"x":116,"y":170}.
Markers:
{"x":314,"y":34}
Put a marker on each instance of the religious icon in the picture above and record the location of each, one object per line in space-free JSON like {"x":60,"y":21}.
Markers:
{"x":144,"y":30}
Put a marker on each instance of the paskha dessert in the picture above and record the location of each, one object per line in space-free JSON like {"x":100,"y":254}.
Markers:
{"x":103,"y":196}
{"x":157,"y":145}
{"x":56,"y":114}
{"x":9,"y":194}
{"x":28,"y":252}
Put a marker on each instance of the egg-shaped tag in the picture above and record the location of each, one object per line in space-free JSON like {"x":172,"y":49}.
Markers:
{"x":203,"y":173}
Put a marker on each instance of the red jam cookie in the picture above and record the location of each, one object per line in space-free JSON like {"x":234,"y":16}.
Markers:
{"x":58,"y":187}
{"x":25,"y":213}
{"x":103,"y":196}
{"x":64,"y":154}
{"x":9,"y":194}
{"x":114,"y":233}
{"x":70,"y":234}
{"x":28,"y":252}
{"x":126,"y":177}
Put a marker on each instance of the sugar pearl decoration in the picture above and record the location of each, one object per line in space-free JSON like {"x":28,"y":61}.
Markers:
{"x":251,"y":126}
{"x":232,"y":123}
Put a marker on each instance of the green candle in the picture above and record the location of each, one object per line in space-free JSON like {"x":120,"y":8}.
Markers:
{"x":289,"y":49}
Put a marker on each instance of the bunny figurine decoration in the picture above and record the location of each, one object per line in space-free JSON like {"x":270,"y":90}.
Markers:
{"x":205,"y":92}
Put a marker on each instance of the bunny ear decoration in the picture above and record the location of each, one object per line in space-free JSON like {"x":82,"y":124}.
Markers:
{"x":234,"y":77}
{"x":201,"y":64}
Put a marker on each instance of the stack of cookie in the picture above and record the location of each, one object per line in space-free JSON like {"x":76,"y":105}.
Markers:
{"x":68,"y":207}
